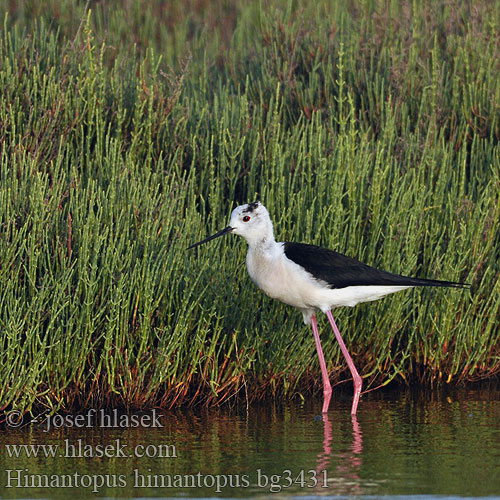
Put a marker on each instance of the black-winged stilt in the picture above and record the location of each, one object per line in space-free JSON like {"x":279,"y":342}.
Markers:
{"x":310,"y":277}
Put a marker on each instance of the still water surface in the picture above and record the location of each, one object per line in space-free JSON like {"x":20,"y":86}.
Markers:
{"x":399,"y":446}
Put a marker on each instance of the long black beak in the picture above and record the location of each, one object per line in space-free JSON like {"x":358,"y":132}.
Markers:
{"x":226,"y":230}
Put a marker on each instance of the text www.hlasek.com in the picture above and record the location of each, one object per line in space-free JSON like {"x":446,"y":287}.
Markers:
{"x":80,"y":449}
{"x":22,"y":478}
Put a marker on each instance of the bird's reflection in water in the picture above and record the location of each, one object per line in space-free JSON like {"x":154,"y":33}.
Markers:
{"x":341,"y":468}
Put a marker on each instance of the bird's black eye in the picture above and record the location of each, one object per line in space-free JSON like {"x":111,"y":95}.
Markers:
{"x":246,"y":218}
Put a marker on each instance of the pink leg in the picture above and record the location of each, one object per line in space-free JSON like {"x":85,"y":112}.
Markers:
{"x":327,"y":388}
{"x":358,"y":383}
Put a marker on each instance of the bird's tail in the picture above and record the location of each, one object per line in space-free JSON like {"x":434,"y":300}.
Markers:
{"x":428,"y":282}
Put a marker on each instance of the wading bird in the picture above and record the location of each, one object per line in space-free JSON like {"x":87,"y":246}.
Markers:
{"x":309,"y":277}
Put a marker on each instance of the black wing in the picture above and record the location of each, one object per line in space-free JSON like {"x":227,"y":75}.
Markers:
{"x":340,"y":271}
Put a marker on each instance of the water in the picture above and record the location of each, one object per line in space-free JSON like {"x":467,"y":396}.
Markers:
{"x":399,"y":446}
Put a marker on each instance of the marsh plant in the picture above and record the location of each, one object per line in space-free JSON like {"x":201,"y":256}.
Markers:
{"x":128,"y":133}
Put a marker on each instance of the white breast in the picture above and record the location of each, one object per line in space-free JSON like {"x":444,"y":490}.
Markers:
{"x":280,"y":278}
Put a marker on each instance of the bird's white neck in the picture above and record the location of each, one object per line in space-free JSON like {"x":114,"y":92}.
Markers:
{"x":261,"y":240}
{"x":262,"y":245}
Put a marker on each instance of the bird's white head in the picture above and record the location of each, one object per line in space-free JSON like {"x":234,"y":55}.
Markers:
{"x":252,"y":221}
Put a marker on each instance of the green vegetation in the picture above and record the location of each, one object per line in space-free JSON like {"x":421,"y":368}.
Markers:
{"x":130,"y":131}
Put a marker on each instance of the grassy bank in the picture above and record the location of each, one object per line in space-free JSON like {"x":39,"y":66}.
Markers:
{"x":127,"y":134}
